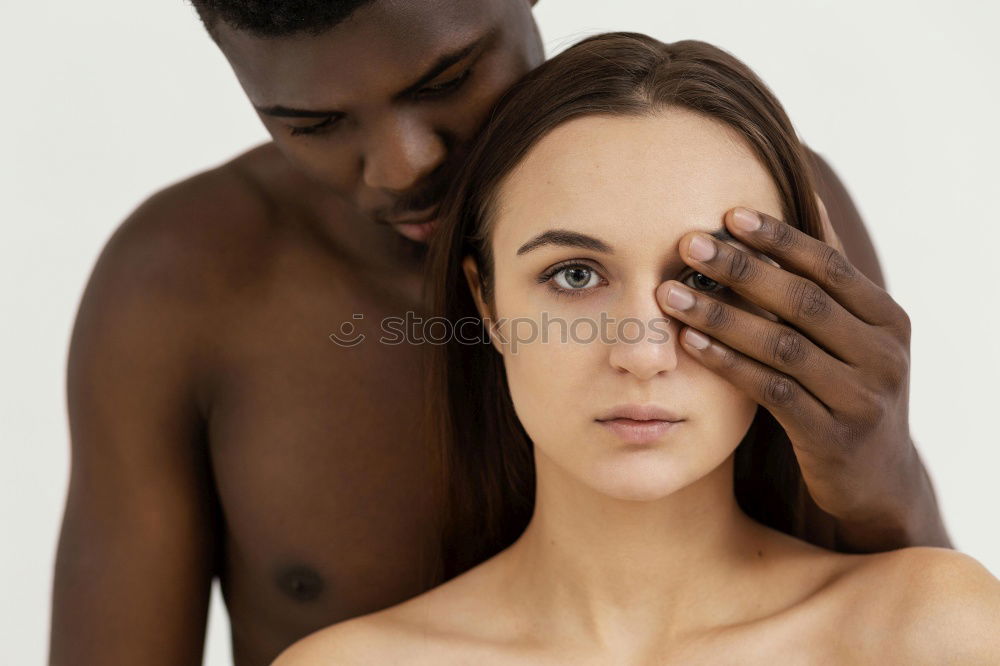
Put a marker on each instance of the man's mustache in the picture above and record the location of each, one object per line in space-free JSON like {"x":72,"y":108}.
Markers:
{"x":429,"y":195}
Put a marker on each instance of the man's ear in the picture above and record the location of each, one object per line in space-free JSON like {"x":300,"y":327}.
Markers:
{"x":471,"y":270}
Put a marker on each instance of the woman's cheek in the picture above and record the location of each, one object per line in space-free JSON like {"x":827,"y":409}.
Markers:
{"x":550,"y":376}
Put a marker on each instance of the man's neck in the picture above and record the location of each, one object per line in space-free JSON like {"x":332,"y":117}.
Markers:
{"x":355,"y":239}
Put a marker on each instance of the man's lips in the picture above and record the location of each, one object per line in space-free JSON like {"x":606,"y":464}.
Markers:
{"x":416,"y":217}
{"x":417,"y":231}
{"x":418,"y":226}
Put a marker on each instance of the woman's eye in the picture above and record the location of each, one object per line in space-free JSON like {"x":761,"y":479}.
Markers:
{"x":574,"y":278}
{"x":702,"y":282}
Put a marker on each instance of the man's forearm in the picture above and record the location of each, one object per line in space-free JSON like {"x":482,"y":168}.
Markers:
{"x":910,"y":516}
{"x":910,"y":519}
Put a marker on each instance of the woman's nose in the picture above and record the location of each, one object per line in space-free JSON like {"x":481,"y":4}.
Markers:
{"x":644,"y":341}
{"x":401,"y":154}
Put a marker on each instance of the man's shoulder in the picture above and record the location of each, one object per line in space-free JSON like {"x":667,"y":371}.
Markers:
{"x":202,"y":225}
{"x":167,"y":269}
{"x":925,"y":605}
{"x":197,"y":243}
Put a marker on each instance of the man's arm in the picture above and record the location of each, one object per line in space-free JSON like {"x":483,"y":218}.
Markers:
{"x":921,"y":523}
{"x":136,"y":555}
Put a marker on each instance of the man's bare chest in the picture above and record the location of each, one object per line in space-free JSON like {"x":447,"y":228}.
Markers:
{"x":324,"y":479}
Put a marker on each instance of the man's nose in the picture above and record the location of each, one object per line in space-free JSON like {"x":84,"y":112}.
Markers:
{"x":401,"y":154}
{"x":644,"y":341}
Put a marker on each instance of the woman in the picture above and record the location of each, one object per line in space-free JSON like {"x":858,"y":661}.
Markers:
{"x":615,"y":499}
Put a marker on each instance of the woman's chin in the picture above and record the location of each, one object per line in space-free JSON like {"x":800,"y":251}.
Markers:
{"x":638,"y":480}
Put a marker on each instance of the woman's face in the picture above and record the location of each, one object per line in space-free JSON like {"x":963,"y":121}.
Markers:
{"x":585,"y":229}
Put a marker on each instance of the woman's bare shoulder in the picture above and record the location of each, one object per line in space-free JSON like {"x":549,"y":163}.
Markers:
{"x":385,"y":637}
{"x":357,"y":641}
{"x":923,"y":605}
{"x":447,"y":624}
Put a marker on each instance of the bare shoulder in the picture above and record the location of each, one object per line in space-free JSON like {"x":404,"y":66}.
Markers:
{"x":463,"y":621}
{"x":188,"y":235}
{"x":926,"y":606}
{"x":409,"y":633}
{"x":157,"y":290}
{"x":169,"y":265}
{"x":363,"y":640}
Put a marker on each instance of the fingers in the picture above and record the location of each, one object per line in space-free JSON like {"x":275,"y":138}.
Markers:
{"x":795,"y":408}
{"x":744,"y":335}
{"x":795,"y":299}
{"x":817,"y":262}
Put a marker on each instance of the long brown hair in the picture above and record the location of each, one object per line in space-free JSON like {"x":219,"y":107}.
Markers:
{"x":486,"y":456}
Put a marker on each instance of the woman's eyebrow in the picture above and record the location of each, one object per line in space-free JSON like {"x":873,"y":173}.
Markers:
{"x":567,"y":238}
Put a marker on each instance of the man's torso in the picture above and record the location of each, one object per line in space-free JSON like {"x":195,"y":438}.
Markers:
{"x":324,"y":487}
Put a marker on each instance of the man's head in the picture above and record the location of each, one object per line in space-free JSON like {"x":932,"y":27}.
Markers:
{"x":377,"y":100}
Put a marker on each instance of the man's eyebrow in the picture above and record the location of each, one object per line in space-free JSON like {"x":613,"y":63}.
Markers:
{"x":447,"y":60}
{"x":441,"y":64}
{"x":566,"y":238}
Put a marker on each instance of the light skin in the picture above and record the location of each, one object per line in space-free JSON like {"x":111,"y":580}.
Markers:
{"x":203,"y":389}
{"x":588,"y":379}
{"x":638,"y":553}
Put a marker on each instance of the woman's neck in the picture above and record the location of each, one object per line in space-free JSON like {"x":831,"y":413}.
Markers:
{"x":612,"y":570}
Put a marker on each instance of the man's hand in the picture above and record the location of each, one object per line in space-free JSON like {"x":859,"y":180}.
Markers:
{"x":832,"y":367}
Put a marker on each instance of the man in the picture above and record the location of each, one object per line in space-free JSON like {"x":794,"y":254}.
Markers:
{"x":217,"y":429}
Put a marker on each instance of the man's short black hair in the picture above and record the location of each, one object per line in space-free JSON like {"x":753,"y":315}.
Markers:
{"x":276,"y":18}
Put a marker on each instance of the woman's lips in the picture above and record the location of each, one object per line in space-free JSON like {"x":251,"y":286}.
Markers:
{"x":639,"y":432}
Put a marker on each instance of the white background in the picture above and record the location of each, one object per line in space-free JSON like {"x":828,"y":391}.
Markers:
{"x":105,"y":102}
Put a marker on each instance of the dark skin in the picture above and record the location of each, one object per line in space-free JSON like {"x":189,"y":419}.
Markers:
{"x":216,"y":429}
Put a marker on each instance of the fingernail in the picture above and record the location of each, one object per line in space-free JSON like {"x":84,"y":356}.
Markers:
{"x":745,"y":219}
{"x":695,"y":339}
{"x":701,"y":248}
{"x":679,"y":298}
